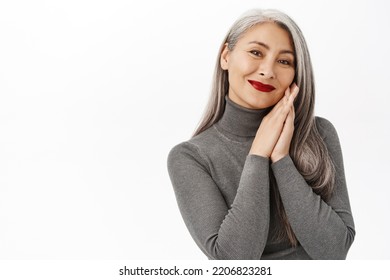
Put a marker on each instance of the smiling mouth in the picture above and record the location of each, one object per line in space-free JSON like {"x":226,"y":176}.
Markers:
{"x":261,"y":87}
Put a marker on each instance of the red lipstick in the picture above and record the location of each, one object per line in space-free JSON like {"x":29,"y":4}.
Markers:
{"x":260,"y":86}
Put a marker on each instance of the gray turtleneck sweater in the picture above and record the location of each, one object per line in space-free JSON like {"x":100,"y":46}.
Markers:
{"x":224,"y":195}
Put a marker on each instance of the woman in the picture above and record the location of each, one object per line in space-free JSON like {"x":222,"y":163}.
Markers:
{"x":262,"y":177}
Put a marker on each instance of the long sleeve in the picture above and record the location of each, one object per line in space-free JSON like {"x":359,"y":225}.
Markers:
{"x":324,"y":230}
{"x":222,"y":232}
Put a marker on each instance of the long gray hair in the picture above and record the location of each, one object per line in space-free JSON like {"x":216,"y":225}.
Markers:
{"x":307,"y":150}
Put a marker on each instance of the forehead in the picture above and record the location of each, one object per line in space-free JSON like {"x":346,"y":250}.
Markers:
{"x":269,"y":33}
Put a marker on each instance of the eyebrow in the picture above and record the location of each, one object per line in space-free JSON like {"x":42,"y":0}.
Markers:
{"x":267,"y":47}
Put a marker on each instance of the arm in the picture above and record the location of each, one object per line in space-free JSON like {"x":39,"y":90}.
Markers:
{"x":325,"y":230}
{"x":222,"y":233}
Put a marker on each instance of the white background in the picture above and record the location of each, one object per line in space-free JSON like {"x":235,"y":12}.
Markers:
{"x":94,"y":94}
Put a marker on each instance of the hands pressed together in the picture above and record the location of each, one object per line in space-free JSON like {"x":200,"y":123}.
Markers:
{"x":274,"y":135}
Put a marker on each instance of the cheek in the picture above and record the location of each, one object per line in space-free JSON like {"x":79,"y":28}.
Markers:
{"x":287,"y":78}
{"x":241,"y":66}
{"x":279,"y":96}
{"x":248,"y":67}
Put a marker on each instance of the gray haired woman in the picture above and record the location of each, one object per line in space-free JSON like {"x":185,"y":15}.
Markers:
{"x":262,"y":177}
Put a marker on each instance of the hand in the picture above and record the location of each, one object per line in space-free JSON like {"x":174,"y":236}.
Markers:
{"x":282,"y":147}
{"x":272,"y":126}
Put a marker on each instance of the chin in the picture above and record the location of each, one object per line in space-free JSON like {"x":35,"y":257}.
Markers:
{"x":260,"y":103}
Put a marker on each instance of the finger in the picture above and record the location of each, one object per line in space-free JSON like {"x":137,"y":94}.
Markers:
{"x":285,"y":103}
{"x":287,"y":92}
{"x":293,"y":112}
{"x":291,"y":115}
{"x":294,"y":91}
{"x":281,"y":103}
{"x":294,"y":94}
{"x":288,"y":127}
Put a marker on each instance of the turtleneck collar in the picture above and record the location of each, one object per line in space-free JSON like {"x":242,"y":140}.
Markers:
{"x":241,"y":121}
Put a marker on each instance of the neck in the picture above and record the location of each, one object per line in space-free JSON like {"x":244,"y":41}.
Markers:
{"x":241,"y":121}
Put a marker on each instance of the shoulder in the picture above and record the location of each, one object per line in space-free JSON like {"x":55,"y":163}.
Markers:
{"x":326,"y":128}
{"x":184,"y":149}
{"x":323,"y":124}
{"x":329,"y":134}
{"x":193,"y":150}
{"x":183,"y":159}
{"x":201,"y":142}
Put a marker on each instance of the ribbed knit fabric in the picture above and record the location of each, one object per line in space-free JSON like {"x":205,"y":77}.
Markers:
{"x":224,"y":195}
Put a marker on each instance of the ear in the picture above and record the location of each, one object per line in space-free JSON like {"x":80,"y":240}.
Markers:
{"x":225,"y":57}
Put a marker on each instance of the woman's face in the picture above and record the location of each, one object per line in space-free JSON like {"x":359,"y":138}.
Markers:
{"x":260,"y":67}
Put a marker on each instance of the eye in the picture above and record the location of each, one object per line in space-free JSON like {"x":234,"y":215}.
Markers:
{"x":285,"y":62}
{"x":256,"y":53}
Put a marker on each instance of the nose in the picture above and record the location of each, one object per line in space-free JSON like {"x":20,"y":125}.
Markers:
{"x":266,"y":69}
